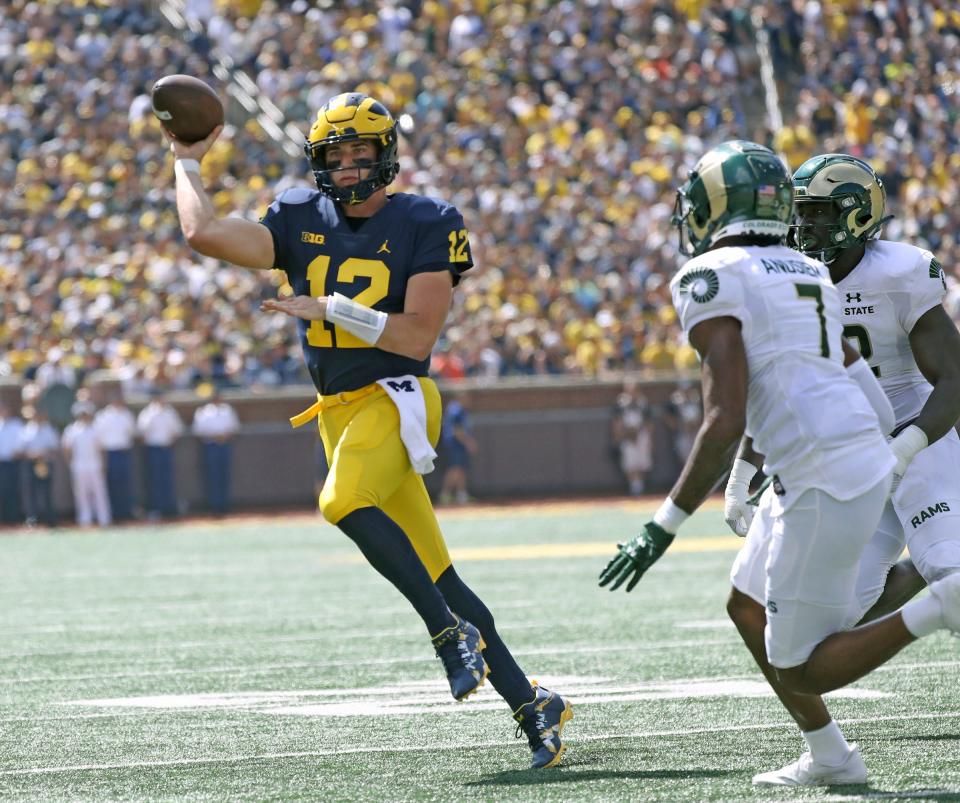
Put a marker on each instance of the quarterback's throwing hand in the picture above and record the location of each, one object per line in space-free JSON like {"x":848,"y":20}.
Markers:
{"x":636,"y":556}
{"x":191,"y":150}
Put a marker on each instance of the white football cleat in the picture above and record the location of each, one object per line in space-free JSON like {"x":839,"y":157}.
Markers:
{"x":807,"y":772}
{"x":947,"y":593}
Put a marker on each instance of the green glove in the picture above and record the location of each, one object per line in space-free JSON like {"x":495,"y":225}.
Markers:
{"x":636,"y":556}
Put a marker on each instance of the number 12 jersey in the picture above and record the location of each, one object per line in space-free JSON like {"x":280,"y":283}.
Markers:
{"x":323,"y":254}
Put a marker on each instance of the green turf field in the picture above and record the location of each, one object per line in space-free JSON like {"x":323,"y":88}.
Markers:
{"x":261,"y":660}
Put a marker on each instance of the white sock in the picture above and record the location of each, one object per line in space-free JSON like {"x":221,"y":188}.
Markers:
{"x":923,"y":616}
{"x":827,"y":745}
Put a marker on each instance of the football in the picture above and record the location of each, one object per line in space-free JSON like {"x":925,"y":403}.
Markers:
{"x":186,"y":107}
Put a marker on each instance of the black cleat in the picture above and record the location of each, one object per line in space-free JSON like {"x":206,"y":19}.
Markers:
{"x":460,"y":647}
{"x":543,"y":719}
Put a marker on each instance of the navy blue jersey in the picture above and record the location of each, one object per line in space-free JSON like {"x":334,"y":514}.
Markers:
{"x":321,"y":255}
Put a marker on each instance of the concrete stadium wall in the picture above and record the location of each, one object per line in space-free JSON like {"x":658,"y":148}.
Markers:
{"x":549,"y":437}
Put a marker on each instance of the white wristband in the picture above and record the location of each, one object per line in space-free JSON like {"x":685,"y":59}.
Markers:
{"x":906,"y":445}
{"x":366,"y":323}
{"x":741,"y":474}
{"x":183,"y":166}
{"x":669,"y":517}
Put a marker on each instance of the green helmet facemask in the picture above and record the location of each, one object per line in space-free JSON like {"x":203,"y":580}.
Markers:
{"x":844,"y":199}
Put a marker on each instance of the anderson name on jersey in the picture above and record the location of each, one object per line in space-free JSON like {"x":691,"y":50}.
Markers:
{"x":883,"y":297}
{"x":322,"y":254}
{"x":804,"y":413}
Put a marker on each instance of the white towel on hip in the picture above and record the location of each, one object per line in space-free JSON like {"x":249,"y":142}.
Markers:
{"x":407,"y":395}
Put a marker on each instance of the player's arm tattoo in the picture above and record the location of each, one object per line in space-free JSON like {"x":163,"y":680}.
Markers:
{"x":724,"y":377}
{"x":935,"y":342}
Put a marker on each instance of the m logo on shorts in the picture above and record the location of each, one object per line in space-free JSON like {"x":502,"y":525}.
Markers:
{"x":929,"y":513}
{"x":406,"y":386}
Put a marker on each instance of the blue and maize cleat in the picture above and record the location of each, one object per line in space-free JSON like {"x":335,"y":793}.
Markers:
{"x":543,"y":719}
{"x":460,"y":647}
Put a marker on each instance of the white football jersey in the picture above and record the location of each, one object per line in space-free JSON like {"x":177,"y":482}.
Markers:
{"x":805,"y":414}
{"x":883,"y":297}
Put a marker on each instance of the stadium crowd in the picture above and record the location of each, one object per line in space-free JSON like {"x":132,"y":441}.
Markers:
{"x":560,"y":129}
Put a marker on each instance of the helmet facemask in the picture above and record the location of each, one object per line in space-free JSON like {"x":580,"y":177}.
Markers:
{"x":683,"y":207}
{"x":839,"y":202}
{"x":337,"y":124}
{"x":826,"y":240}
{"x":736,"y":189}
{"x":382,"y":170}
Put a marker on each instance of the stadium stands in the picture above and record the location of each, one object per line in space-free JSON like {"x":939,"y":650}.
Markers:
{"x":560,"y":129}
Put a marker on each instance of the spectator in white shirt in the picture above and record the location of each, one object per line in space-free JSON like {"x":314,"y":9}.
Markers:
{"x":56,"y":370}
{"x":160,"y":426}
{"x":10,"y":429}
{"x":85,"y":456}
{"x":116,"y":429}
{"x":215,"y":424}
{"x":38,"y":445}
{"x":633,"y":436}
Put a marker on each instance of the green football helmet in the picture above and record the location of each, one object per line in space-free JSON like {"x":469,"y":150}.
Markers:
{"x":839,"y":202}
{"x":737,"y":188}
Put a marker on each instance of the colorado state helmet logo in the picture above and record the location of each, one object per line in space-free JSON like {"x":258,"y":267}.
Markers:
{"x":702,"y":284}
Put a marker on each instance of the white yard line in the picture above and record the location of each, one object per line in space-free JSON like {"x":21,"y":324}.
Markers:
{"x":266,"y":668}
{"x":180,"y":762}
{"x":430,"y":697}
{"x":430,"y":690}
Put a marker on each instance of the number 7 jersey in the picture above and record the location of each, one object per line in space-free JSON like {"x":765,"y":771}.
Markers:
{"x":805,"y":414}
{"x":315,"y":245}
